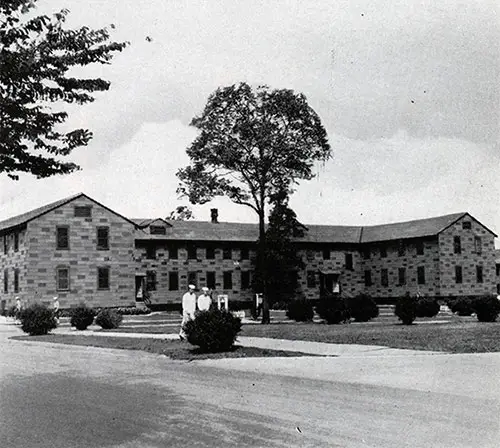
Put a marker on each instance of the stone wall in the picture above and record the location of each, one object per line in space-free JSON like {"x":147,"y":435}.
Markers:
{"x":83,"y":258}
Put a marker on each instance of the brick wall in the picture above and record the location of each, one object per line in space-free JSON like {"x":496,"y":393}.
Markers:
{"x":468,"y":259}
{"x":83,"y":258}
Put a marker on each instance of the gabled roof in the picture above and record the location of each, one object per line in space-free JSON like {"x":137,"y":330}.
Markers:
{"x":146,"y":222}
{"x":24,"y":218}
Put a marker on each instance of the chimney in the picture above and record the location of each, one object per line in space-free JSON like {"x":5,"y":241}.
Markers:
{"x":214,"y":214}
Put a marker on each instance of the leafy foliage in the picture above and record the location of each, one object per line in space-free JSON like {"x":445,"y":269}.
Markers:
{"x":406,"y":309}
{"x":37,"y":319}
{"x":487,"y":308}
{"x":427,"y":307}
{"x":253,"y":145}
{"x":108,"y":319}
{"x":463,"y":306}
{"x":333,"y":309}
{"x":362,"y":308}
{"x":82,"y":317}
{"x":37,"y":54}
{"x":181,"y":213}
{"x":300,"y":310}
{"x":213,"y":330}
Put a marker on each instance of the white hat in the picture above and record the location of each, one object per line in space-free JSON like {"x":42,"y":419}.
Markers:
{"x":55,"y":298}
{"x":204,"y":289}
{"x":191,"y":286}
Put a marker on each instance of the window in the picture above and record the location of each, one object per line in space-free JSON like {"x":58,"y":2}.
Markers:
{"x":84,"y":211}
{"x":479,"y":274}
{"x":458,"y":274}
{"x":210,"y":253}
{"x":401,"y":248}
{"x":5,"y":281}
{"x":227,"y":253}
{"x":157,"y":230}
{"x":420,"y":248}
{"x":497,"y":266}
{"x":191,"y":250}
{"x":192,"y":278}
{"x":245,"y":279}
{"x":5,"y":244}
{"x":173,"y":254}
{"x":103,"y":278}
{"x":457,"y":245}
{"x":16,"y":241}
{"x":151,"y":251}
{"x":173,"y":281}
{"x":211,"y":279}
{"x":366,"y":253}
{"x":326,"y":254}
{"x":368,"y":277}
{"x":310,"y":255}
{"x":150,"y":280}
{"x":103,"y":238}
{"x":62,"y":275}
{"x":402,"y":276}
{"x":245,"y":253}
{"x":384,"y":277}
{"x":348,"y":262}
{"x":311,"y":279}
{"x":228,"y":280}
{"x":477,"y":245}
{"x":498,"y":288}
{"x":16,"y":280}
{"x":383,"y":252}
{"x":421,"y":275}
{"x":466,"y":225}
{"x":62,"y":237}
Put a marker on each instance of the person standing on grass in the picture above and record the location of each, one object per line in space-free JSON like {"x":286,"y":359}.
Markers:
{"x":188,"y":309}
{"x":204,"y":300}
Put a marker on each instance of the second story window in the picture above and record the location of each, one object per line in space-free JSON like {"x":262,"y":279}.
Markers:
{"x":457,"y":245}
{"x":210,"y":252}
{"x":157,"y":230}
{"x":348,"y":262}
{"x":103,"y":238}
{"x":383,"y":252}
{"x":84,"y":211}
{"x":191,"y":251}
{"x":16,"y":241}
{"x":5,"y":244}
{"x":366,"y":253}
{"x":227,"y":253}
{"x":173,"y":252}
{"x":420,"y":248}
{"x":326,"y":254}
{"x":401,"y":248}
{"x":151,"y":252}
{"x":466,"y":225}
{"x":477,"y":245}
{"x":245,"y":253}
{"x":62,"y":237}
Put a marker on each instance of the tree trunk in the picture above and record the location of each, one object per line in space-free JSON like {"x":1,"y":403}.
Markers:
{"x":266,"y":318}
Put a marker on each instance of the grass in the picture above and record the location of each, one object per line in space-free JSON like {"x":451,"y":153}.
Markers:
{"x":458,"y":337}
{"x":174,"y":349}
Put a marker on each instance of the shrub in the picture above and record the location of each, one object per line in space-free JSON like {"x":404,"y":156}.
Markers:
{"x":406,"y":309}
{"x":37,"y":319}
{"x":108,"y":319}
{"x":82,"y":316}
{"x":213,"y":330}
{"x":13,"y":312}
{"x":427,"y":307}
{"x":362,"y":308}
{"x":300,"y":310}
{"x":333,"y":310}
{"x":463,"y":306}
{"x":133,"y":311}
{"x":487,"y":308}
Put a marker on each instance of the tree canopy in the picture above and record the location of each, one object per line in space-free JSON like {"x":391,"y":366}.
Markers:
{"x":181,"y":213}
{"x":36,"y":56}
{"x":254,"y":144}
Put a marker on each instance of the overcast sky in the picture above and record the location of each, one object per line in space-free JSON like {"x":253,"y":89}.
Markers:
{"x":409,"y":92}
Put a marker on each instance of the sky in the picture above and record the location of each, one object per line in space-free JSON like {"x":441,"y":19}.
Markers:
{"x":408,"y":91}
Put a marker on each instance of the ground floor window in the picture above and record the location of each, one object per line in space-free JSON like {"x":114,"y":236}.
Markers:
{"x":421,"y":275}
{"x":311,"y":279}
{"x":368,"y":277}
{"x":458,"y":274}
{"x":103,"y":278}
{"x":62,"y":275}
{"x":384,"y":277}
{"x":402,"y":276}
{"x":151,"y":281}
{"x":16,"y":280}
{"x":173,"y":281}
{"x":5,"y":281}
{"x":479,"y":274}
{"x":211,"y":279}
{"x":192,"y":278}
{"x":245,"y":279}
{"x":228,"y":280}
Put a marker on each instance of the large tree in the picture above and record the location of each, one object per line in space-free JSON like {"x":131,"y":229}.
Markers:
{"x":37,"y":54}
{"x":253,"y":144}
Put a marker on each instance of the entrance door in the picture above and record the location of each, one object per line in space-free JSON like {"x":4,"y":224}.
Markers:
{"x":329,"y":283}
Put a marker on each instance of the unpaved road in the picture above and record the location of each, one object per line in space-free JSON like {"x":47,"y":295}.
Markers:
{"x":66,"y":396}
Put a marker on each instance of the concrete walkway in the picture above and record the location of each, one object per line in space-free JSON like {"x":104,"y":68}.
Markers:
{"x":311,"y":348}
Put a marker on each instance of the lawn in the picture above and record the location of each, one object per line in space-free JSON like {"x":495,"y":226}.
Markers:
{"x":458,"y":337}
{"x":174,"y":349}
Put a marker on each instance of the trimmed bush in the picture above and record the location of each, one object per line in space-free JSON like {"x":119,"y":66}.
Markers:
{"x":82,"y":317}
{"x":213,"y":330}
{"x":362,"y":308}
{"x":487,"y":308}
{"x":406,"y":309}
{"x":300,"y":310}
{"x":333,"y":310}
{"x":37,"y":319}
{"x":463,"y":306}
{"x":13,"y":312}
{"x":108,"y":319}
{"x":427,"y":307}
